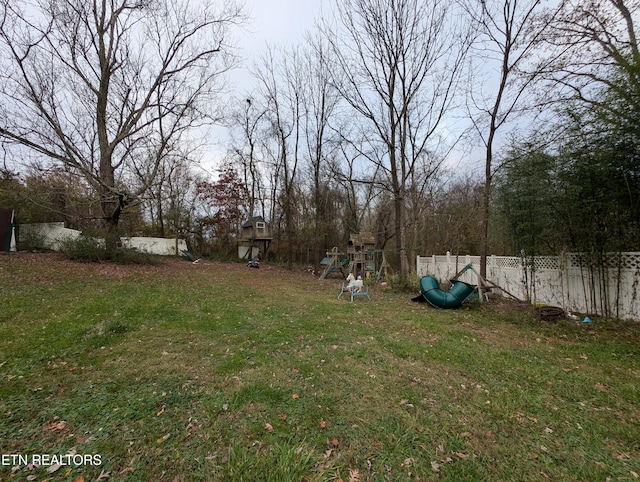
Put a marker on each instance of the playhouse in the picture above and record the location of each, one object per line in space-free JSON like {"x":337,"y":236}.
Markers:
{"x":361,"y":254}
{"x":255,"y":239}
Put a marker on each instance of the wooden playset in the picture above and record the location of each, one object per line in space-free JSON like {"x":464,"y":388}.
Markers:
{"x":361,"y":259}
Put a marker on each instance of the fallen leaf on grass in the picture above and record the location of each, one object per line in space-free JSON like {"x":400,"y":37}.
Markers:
{"x":295,"y":395}
{"x":57,"y":426}
{"x":103,"y":475}
{"x":161,"y":410}
{"x":621,"y":456}
{"x":334,"y":441}
{"x":435,"y":466}
{"x":52,"y":468}
{"x":354,"y":475}
{"x":408,"y":461}
{"x":268,"y":427}
{"x":323,"y":424}
{"x":462,"y":456}
{"x":80,"y":478}
{"x":163,"y":438}
{"x":193,"y":426}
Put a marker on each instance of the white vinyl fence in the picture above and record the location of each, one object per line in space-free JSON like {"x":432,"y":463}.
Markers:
{"x":54,"y":235}
{"x":574,"y":282}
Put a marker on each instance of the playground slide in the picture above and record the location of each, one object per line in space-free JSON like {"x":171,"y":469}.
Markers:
{"x":457,"y":294}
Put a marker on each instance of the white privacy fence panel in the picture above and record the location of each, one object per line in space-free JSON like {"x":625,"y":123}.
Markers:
{"x":608,"y":287}
{"x":160,"y":246}
{"x":51,"y":235}
{"x":54,"y":235}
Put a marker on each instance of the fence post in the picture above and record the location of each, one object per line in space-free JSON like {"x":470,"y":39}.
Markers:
{"x":492,"y":266}
{"x":564,"y":279}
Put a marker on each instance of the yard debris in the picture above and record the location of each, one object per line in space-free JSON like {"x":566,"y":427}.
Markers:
{"x":57,"y":426}
{"x":550,"y":313}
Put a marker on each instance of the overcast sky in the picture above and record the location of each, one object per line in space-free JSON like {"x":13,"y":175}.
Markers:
{"x":279,"y":21}
{"x":273,"y":22}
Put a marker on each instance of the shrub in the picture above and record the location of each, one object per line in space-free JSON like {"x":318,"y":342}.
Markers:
{"x":411,"y":284}
{"x":89,"y":249}
{"x":84,"y":248}
{"x":132,"y":256}
{"x":30,"y":240}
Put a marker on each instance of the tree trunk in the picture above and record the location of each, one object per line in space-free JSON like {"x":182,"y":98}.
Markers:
{"x":486,"y":206}
{"x":400,"y":235}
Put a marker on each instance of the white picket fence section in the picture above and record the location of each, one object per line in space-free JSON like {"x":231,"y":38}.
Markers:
{"x":609,"y":288}
{"x":54,"y":235}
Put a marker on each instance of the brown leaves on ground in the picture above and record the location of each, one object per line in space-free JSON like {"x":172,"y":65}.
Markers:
{"x":57,"y":425}
{"x":355,"y":475}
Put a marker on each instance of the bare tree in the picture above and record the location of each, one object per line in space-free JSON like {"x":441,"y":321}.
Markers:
{"x":170,"y":201}
{"x":398,"y":64}
{"x":247,"y":128}
{"x":101,"y":86}
{"x":596,"y":47}
{"x":358,"y":193}
{"x":320,"y":107}
{"x":509,"y":34}
{"x":280,"y":86}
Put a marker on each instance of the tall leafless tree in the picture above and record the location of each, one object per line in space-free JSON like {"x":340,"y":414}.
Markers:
{"x":321,"y":102}
{"x":509,"y":34}
{"x":102,"y":85}
{"x":281,"y":88}
{"x":247,"y":134}
{"x":398,"y":64}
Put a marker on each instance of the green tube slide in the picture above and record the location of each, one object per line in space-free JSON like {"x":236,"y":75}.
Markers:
{"x":457,"y":294}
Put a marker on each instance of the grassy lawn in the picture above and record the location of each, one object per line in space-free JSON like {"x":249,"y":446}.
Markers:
{"x":208,"y":371}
